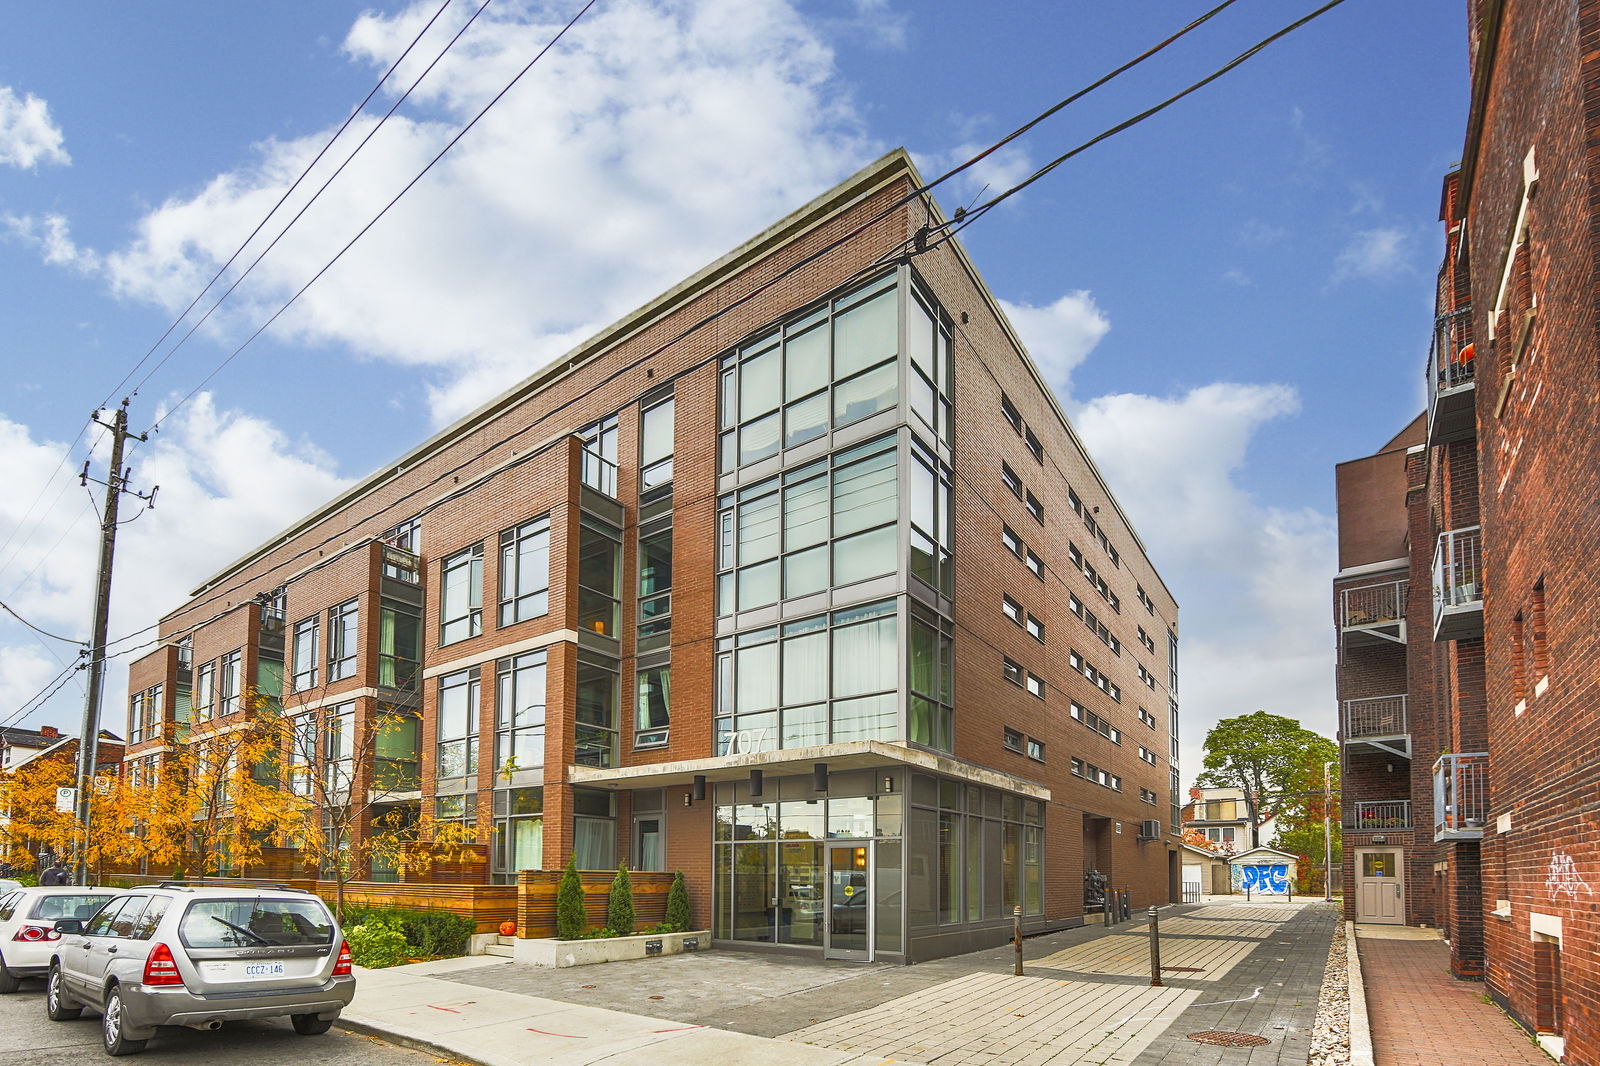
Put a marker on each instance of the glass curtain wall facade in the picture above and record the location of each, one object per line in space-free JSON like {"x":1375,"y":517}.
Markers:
{"x":834,"y":585}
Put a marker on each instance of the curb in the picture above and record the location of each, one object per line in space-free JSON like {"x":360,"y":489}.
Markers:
{"x":1360,"y":1023}
{"x":415,"y":1043}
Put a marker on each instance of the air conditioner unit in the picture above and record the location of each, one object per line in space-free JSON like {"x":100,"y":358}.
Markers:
{"x":1150,"y":829}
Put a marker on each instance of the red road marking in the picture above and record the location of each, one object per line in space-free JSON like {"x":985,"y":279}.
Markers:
{"x":444,"y":1009}
{"x":569,"y":1036}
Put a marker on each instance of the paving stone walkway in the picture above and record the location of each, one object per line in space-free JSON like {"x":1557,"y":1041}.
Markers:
{"x":1421,"y":1015}
{"x":1085,"y":998}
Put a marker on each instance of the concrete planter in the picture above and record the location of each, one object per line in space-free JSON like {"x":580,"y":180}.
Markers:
{"x":548,"y":951}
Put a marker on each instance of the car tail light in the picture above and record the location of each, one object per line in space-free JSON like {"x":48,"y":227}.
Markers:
{"x":34,"y":934}
{"x":341,"y":967}
{"x":161,"y":968}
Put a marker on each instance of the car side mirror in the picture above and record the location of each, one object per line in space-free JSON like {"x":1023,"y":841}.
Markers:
{"x":69,"y":925}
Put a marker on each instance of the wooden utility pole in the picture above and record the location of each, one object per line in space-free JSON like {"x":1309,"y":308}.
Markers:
{"x":89,"y":735}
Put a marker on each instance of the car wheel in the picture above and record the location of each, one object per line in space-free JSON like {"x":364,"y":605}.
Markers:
{"x":112,"y":1028}
{"x":57,"y":1004}
{"x":9,"y":982}
{"x":310,"y":1024}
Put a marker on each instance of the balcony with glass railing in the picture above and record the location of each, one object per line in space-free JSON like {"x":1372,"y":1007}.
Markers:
{"x":1373,"y":614}
{"x":1452,"y":370}
{"x":1460,"y":796}
{"x":1377,"y":722}
{"x":598,"y":472}
{"x":1458,"y":585}
{"x":1375,"y":816}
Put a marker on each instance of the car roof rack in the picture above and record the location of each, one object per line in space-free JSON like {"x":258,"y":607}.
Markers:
{"x":191,"y":886}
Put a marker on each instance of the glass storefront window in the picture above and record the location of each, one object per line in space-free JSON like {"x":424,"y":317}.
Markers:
{"x":599,"y":577}
{"x":850,"y":817}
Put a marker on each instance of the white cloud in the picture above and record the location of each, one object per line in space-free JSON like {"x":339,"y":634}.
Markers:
{"x":1250,"y":579}
{"x":1235,"y":276}
{"x":51,"y":236}
{"x":1059,"y":335}
{"x":653,"y":138}
{"x":28,"y":136}
{"x":228,"y":481}
{"x":1377,"y":254}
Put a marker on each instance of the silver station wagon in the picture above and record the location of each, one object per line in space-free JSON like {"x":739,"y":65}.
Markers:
{"x":175,"y":954}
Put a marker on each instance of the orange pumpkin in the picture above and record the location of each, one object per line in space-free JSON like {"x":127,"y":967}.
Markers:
{"x":508,"y":928}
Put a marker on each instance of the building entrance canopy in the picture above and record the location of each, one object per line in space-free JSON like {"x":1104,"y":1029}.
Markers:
{"x":852,"y":755}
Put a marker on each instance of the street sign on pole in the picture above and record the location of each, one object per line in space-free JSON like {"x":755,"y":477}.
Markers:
{"x":66,"y":800}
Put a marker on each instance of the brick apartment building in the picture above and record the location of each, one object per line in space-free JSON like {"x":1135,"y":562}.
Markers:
{"x":821,"y":602}
{"x":1473,"y":700}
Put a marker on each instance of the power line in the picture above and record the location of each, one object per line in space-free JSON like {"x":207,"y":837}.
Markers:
{"x":40,"y":698}
{"x":713,"y":316}
{"x":36,"y":629}
{"x":268,"y":216}
{"x":314,"y":196}
{"x":954,"y":226}
{"x":376,"y":218}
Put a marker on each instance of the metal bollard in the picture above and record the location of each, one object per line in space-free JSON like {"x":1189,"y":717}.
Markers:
{"x":1016,"y":937}
{"x":1155,"y":949}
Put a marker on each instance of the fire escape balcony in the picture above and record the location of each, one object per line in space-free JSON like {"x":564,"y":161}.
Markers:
{"x":1458,"y":585}
{"x":1375,"y":816}
{"x":1373,"y":614}
{"x":1452,"y":382}
{"x":1460,"y":796}
{"x":1379,"y":723}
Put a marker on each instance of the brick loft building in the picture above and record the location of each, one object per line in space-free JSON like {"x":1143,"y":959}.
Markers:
{"x":822,"y":603}
{"x":1408,"y":603}
{"x":1496,"y":701}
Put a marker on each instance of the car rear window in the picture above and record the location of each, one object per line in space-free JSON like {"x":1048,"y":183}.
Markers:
{"x":81,"y":907}
{"x":241,"y":923}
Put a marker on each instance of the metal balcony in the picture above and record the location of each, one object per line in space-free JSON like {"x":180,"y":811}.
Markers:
{"x":599,"y":473}
{"x":1377,"y":722}
{"x":401,"y":565}
{"x":1373,"y":614}
{"x":1452,"y":382}
{"x":1460,"y":796}
{"x":1375,"y":816}
{"x":1458,"y":585}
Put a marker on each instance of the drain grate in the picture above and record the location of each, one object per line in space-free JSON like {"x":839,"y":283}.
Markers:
{"x":1185,"y":969}
{"x":1212,"y":1036}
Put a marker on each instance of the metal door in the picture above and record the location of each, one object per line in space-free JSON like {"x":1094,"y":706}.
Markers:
{"x":852,"y":921}
{"x":1380,"y":886}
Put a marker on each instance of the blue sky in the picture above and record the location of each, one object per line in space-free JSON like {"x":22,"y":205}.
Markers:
{"x":1229,"y":298}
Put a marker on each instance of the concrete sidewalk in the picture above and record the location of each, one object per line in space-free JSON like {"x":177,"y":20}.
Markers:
{"x":1086,"y":998}
{"x":418,"y":1007}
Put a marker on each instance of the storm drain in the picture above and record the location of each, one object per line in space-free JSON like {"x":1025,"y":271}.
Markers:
{"x":1221,"y":1039}
{"x":1185,"y":969}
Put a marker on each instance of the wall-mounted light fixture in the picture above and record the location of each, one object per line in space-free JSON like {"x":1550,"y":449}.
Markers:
{"x":819,"y":777}
{"x":755,"y":782}
{"x":699,"y":787}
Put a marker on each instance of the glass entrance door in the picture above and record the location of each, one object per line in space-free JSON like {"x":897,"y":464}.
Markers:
{"x":851,"y":916}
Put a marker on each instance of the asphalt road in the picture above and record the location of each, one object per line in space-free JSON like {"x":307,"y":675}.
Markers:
{"x":27,"y":1037}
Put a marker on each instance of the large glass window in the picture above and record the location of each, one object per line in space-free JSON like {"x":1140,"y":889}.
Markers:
{"x":519,"y":831}
{"x":397,"y":754}
{"x":525,"y":571}
{"x":656,"y":426}
{"x":302,"y":753}
{"x":931,"y":378}
{"x":305,"y":653}
{"x":399,"y":645}
{"x":834,"y":365}
{"x":653,"y":714}
{"x":932,"y":697}
{"x":338,"y":748}
{"x":773,"y":537}
{"x":205,"y":691}
{"x":932,"y":510}
{"x":594,"y":829}
{"x":599,"y":577}
{"x":343,"y":640}
{"x":596,"y":739}
{"x":461,"y":596}
{"x":811,"y":682}
{"x":456,"y":752}
{"x":228,"y":690}
{"x":655,"y":585}
{"x":600,"y":455}
{"x":519,"y":712}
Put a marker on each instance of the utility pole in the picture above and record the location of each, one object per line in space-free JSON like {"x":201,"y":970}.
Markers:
{"x":89,"y":735}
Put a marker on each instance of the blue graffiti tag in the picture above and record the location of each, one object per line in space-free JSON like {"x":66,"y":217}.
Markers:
{"x":1266,"y":879}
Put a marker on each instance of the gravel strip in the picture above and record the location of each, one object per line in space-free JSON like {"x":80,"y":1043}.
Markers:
{"x":1330,"y":1036}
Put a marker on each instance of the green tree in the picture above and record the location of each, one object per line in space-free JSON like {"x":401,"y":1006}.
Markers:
{"x":1272,"y":759}
{"x":678,"y":915}
{"x":571,"y":919}
{"x":619,"y":906}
